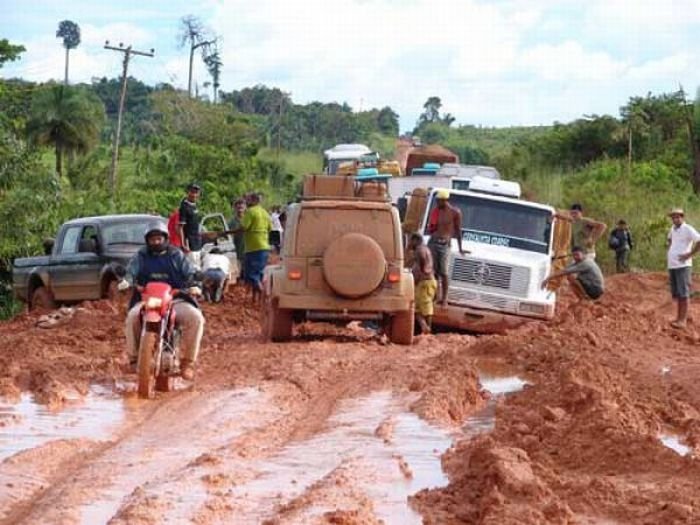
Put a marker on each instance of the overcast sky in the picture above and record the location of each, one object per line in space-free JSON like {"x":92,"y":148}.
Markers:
{"x":493,"y":63}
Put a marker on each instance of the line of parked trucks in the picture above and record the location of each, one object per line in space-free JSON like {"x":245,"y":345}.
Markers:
{"x":513,"y":244}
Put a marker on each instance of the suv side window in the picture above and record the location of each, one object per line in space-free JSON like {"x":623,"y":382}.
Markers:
{"x":70,"y":240}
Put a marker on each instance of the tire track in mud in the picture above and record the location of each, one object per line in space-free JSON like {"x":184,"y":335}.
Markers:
{"x":177,"y":431}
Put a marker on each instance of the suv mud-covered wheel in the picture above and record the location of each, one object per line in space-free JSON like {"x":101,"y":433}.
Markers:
{"x":42,"y":299}
{"x":354,"y":265}
{"x":401,"y":327}
{"x":276,"y":322}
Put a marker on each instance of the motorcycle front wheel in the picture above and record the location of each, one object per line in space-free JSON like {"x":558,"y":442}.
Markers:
{"x":145,"y":364}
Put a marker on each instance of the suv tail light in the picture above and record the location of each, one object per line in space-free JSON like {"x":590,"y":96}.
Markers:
{"x":393,"y":275}
{"x":294,"y":274}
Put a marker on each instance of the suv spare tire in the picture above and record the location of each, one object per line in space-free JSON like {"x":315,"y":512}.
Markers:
{"x":354,"y":265}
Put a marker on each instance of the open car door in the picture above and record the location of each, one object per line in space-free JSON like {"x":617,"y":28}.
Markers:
{"x":214,"y":234}
{"x":561,"y":246}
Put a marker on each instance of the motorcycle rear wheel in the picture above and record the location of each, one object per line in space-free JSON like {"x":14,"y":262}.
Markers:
{"x":145,"y":364}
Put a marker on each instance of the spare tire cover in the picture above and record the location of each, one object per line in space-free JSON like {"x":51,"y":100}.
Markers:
{"x":354,"y":265}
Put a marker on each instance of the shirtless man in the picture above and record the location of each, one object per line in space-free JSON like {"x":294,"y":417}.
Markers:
{"x":445,"y":223}
{"x":426,"y":285}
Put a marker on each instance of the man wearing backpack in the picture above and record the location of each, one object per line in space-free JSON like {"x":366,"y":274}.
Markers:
{"x":620,"y":240}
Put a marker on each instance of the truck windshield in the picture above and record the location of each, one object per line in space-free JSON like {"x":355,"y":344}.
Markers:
{"x":130,"y":232}
{"x":509,"y":224}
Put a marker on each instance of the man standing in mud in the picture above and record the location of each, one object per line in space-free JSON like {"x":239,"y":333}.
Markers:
{"x":255,"y":225}
{"x":189,"y":225}
{"x":425,"y":282}
{"x":444,"y":224}
{"x":683,"y":242}
{"x":235,"y":224}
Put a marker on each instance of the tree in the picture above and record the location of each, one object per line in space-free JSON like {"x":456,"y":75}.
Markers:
{"x":431,"y":111}
{"x":214,"y":63}
{"x":9,"y":52}
{"x":197,"y":35}
{"x":70,"y":33}
{"x":388,"y":121}
{"x":69,"y":119}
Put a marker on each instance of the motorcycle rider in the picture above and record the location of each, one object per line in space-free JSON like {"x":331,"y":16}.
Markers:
{"x":158,"y":261}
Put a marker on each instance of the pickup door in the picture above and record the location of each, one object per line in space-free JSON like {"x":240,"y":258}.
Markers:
{"x":216,"y":222}
{"x":75,"y":265}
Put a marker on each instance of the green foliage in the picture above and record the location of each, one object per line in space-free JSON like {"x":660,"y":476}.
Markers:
{"x":68,"y":118}
{"x":9,"y":52}
{"x":315,"y":126}
{"x":69,"y":31}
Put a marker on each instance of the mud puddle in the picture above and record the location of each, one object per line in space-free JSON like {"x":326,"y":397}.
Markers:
{"x":375,"y":454}
{"x":498,"y":381}
{"x":674,"y":442}
{"x":27,"y":424}
{"x":176,"y":435}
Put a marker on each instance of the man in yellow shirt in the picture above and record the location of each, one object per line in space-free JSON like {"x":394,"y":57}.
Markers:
{"x":256,"y":225}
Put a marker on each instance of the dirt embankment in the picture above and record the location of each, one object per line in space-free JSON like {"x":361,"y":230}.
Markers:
{"x":580,"y":444}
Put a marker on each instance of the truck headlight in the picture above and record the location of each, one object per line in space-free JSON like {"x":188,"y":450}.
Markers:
{"x":532,"y":308}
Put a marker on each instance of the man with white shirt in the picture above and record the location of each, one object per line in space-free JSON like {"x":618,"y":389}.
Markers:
{"x":216,"y":268}
{"x":683,"y":242}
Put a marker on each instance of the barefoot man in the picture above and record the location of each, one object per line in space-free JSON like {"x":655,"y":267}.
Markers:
{"x":426,"y":285}
{"x":445,"y":223}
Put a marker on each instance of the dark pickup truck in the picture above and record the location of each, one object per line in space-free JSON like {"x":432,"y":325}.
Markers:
{"x":80,"y":265}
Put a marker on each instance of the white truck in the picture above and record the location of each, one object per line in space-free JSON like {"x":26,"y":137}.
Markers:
{"x":341,"y":153}
{"x":498,"y":284}
{"x":403,"y":186}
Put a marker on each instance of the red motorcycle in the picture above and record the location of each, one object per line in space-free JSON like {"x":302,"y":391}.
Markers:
{"x":158,"y":357}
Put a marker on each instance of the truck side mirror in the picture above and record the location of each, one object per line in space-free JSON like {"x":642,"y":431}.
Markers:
{"x":48,"y":246}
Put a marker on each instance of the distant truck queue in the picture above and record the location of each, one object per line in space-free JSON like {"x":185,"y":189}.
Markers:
{"x":511,"y":245}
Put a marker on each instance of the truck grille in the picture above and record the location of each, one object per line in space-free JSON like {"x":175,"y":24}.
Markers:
{"x":482,"y":300}
{"x":513,"y":280}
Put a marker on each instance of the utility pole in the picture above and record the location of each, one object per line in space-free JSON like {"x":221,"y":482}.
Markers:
{"x":279,"y":128}
{"x":128,"y":51}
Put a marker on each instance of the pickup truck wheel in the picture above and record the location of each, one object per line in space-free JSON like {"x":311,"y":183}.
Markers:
{"x":276,"y":322}
{"x":42,"y":299}
{"x":401,"y":328}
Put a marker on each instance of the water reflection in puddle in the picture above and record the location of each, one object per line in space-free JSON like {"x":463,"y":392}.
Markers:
{"x":27,"y":424}
{"x":351,"y":446}
{"x":497,"y":385}
{"x":674,"y":443}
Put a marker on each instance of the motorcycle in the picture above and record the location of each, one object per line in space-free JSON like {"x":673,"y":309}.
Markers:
{"x":159,"y":348}
{"x":158,"y":361}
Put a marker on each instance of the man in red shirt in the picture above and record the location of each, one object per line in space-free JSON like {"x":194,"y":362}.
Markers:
{"x":444,"y":223}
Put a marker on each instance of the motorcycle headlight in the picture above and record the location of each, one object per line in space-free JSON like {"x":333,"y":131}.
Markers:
{"x":154,"y":302}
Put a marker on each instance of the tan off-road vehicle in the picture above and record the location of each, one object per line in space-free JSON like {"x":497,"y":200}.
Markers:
{"x":342,"y":260}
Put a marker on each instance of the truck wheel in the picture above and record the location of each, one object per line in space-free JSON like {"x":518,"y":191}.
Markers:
{"x":401,"y":329}
{"x":42,"y":299}
{"x":145,"y":364}
{"x":276,"y":322}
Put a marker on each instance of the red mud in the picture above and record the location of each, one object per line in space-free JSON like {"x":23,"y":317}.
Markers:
{"x":578,"y":445}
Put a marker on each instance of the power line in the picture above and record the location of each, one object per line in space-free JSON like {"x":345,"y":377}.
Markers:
{"x":128,"y":51}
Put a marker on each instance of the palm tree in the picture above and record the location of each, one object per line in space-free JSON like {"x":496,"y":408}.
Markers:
{"x":69,"y":119}
{"x":70,"y":33}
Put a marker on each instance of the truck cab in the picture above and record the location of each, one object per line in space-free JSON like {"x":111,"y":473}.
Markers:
{"x":342,"y":153}
{"x":498,"y":284}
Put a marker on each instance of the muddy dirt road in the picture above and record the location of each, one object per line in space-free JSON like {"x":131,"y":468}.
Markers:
{"x":594,"y":418}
